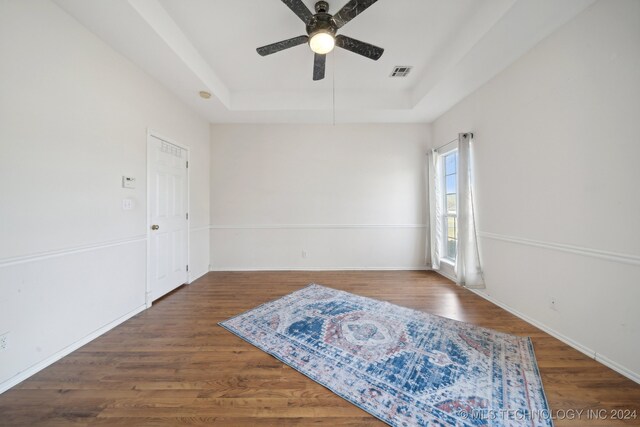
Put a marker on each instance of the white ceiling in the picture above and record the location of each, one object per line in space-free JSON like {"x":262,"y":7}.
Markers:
{"x":455,"y":46}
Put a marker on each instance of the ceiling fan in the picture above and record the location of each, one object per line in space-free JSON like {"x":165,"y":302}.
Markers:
{"x":322,"y":29}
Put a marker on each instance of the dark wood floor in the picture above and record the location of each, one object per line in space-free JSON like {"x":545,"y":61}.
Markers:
{"x":172,"y":364}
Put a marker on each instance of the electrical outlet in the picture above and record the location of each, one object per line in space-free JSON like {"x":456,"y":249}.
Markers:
{"x":4,"y":341}
{"x":553,"y":304}
{"x":304,"y":253}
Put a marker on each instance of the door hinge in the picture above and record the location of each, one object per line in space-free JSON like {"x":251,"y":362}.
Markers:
{"x":187,"y":267}
{"x":187,"y":164}
{"x":187,"y":215}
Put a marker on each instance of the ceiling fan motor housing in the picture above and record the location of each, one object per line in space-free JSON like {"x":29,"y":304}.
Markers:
{"x":322,"y":21}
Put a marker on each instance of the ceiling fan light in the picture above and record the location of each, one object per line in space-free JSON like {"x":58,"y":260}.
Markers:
{"x":322,"y":43}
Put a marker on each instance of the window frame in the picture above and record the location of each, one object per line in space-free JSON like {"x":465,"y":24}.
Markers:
{"x":447,"y":262}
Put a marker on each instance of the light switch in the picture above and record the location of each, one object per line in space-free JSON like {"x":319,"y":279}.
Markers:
{"x":128,"y":182}
{"x":127,"y":204}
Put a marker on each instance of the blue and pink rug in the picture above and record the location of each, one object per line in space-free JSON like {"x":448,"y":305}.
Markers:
{"x":403,"y":366}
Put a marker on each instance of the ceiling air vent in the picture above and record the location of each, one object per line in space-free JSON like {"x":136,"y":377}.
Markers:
{"x":400,"y":71}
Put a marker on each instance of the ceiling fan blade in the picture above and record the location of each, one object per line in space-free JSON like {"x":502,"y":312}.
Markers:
{"x":351,"y":10}
{"x":361,"y":48}
{"x":284,"y":44}
{"x":299,"y":9}
{"x":318,"y":66}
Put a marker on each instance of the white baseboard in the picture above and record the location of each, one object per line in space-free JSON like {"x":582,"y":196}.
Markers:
{"x":196,"y":276}
{"x":21,"y":376}
{"x":618,"y":368}
{"x":420,"y":268}
{"x":565,"y":339}
{"x":443,"y":274}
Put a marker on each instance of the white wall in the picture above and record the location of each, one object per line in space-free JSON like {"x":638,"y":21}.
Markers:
{"x":351,"y":196}
{"x":73,"y":120}
{"x":557,"y":164}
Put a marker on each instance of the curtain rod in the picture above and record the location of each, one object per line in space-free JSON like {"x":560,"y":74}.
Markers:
{"x":450,"y":142}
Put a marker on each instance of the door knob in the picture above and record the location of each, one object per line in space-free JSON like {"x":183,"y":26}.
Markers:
{"x":155,"y":227}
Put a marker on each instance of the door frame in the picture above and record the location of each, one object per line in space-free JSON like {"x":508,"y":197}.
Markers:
{"x":153,"y":134}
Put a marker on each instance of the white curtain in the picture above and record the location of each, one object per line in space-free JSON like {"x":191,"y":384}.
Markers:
{"x":435,"y":205}
{"x":468,"y":269}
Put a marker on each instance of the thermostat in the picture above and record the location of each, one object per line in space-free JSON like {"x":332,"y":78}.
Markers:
{"x":128,"y":182}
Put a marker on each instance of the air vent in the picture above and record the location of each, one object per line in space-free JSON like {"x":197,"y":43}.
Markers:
{"x":400,"y":71}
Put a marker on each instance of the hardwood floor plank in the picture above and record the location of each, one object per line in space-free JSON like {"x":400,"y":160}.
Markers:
{"x":173,"y":365}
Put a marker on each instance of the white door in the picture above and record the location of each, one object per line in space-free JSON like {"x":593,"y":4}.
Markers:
{"x":168,"y":217}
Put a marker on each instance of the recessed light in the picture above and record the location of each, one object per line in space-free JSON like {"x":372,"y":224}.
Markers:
{"x":204,"y":94}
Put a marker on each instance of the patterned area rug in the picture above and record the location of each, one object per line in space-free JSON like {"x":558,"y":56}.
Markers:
{"x":403,"y":366}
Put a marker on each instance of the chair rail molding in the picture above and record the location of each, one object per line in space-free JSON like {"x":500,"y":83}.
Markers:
{"x":6,"y":262}
{"x":578,"y":250}
{"x":310,"y":226}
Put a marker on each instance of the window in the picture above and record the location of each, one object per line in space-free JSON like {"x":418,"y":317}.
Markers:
{"x":450,"y":216}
